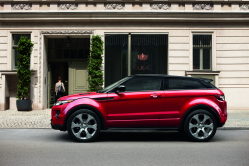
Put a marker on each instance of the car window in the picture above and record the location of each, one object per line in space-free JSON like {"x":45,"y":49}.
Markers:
{"x":143,"y":84}
{"x":110,"y":87}
{"x":181,"y":83}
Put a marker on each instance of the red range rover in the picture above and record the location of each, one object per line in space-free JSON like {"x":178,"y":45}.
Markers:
{"x":191,"y":105}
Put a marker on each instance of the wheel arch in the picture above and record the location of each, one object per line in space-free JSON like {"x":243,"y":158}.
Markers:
{"x":204,"y":107}
{"x":74,"y":109}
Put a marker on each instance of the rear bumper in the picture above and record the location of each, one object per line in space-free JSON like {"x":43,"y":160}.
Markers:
{"x":221,"y":124}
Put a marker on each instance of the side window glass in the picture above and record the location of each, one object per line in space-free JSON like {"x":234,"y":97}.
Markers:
{"x":143,"y":84}
{"x":178,"y":83}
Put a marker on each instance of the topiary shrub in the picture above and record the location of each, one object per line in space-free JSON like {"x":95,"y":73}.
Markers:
{"x":95,"y":75}
{"x":24,"y":49}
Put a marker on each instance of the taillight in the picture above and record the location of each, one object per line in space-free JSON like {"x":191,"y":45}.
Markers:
{"x":220,"y":97}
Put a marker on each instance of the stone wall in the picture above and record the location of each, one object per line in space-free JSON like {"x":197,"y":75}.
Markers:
{"x":226,"y":22}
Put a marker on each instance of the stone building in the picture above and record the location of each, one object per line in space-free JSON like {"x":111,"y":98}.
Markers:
{"x":175,"y":37}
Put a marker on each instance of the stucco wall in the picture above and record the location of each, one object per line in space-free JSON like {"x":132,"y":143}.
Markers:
{"x":230,"y":49}
{"x":233,"y":62}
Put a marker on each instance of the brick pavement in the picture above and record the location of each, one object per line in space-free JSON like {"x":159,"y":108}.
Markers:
{"x":41,"y":119}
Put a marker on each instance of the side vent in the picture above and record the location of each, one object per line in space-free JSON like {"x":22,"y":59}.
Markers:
{"x":103,"y":98}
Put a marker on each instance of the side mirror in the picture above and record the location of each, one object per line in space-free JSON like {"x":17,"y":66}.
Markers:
{"x":120,"y":88}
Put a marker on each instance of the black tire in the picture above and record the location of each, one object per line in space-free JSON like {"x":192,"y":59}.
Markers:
{"x":81,"y":130}
{"x":203,"y":130}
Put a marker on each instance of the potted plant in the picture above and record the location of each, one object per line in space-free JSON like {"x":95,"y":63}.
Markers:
{"x":95,"y":75}
{"x":24,"y":50}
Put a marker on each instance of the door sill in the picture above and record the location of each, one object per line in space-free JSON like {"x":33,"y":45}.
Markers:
{"x":143,"y":128}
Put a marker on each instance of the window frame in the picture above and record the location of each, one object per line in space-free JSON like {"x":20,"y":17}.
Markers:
{"x":214,"y":47}
{"x":14,"y":47}
{"x":160,"y":89}
{"x":201,"y":53}
{"x":132,"y":77}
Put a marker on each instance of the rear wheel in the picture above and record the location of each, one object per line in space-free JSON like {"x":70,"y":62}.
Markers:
{"x":83,"y":125}
{"x":200,"y":126}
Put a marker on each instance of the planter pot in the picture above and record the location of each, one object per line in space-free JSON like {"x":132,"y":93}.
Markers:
{"x":23,"y":105}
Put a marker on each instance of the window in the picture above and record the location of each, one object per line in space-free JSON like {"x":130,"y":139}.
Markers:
{"x":15,"y":40}
{"x":116,"y":58}
{"x":130,"y":54}
{"x":202,"y":52}
{"x":182,"y":84}
{"x":148,"y":54}
{"x":78,"y":48}
{"x":143,"y":84}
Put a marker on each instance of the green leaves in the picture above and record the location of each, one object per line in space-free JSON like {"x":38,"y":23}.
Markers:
{"x":24,"y":50}
{"x":95,"y":78}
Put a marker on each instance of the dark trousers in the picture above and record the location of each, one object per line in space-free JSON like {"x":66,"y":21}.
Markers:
{"x":59,"y":94}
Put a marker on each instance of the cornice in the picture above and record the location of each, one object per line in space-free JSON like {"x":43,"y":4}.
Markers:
{"x":162,"y":16}
{"x":67,"y":32}
{"x":122,"y":1}
{"x":117,"y":16}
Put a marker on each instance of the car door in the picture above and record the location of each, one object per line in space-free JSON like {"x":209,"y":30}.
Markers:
{"x":141,"y":105}
{"x":179,"y":93}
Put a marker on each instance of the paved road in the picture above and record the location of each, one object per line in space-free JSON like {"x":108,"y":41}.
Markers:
{"x":48,"y":147}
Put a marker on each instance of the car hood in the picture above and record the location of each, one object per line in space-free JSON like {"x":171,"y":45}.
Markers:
{"x":83,"y":95}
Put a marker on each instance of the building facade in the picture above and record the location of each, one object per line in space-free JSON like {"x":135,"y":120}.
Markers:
{"x":187,"y":38}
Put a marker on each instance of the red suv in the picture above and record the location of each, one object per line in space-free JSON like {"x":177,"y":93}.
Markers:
{"x":188,"y":104}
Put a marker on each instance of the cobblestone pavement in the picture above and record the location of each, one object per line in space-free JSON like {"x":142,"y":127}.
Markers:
{"x":25,"y":119}
{"x":41,"y":119}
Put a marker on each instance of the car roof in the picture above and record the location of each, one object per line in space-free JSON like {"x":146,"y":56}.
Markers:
{"x":161,"y":75}
{"x":172,"y":76}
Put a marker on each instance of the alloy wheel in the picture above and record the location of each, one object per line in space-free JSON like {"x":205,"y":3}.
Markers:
{"x":84,"y":126}
{"x":201,"y":126}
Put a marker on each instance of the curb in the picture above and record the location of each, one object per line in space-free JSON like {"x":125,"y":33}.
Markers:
{"x":24,"y":128}
{"x":233,"y":128}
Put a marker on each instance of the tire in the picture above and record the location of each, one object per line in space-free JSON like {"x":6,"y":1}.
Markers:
{"x":83,"y":125}
{"x":200,"y":126}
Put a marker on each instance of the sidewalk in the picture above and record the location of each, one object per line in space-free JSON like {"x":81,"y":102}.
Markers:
{"x":237,"y":119}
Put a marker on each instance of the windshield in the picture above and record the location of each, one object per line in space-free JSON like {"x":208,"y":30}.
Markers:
{"x":110,"y":87}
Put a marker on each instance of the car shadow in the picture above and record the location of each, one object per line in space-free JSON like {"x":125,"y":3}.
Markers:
{"x":138,"y":136}
{"x":144,"y":136}
{"x":131,"y":135}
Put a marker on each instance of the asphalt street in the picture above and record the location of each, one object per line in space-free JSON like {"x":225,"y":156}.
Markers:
{"x":29,"y":147}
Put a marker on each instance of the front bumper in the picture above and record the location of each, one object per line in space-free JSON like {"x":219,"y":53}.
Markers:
{"x":58,"y":127}
{"x":58,"y":114}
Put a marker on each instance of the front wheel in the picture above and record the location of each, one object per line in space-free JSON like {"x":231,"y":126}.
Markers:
{"x":200,"y":126}
{"x":83,"y":125}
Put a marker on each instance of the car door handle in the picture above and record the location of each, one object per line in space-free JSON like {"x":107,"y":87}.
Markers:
{"x":155,"y":96}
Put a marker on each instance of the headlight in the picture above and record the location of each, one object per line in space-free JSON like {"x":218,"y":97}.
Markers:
{"x":63,"y":102}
